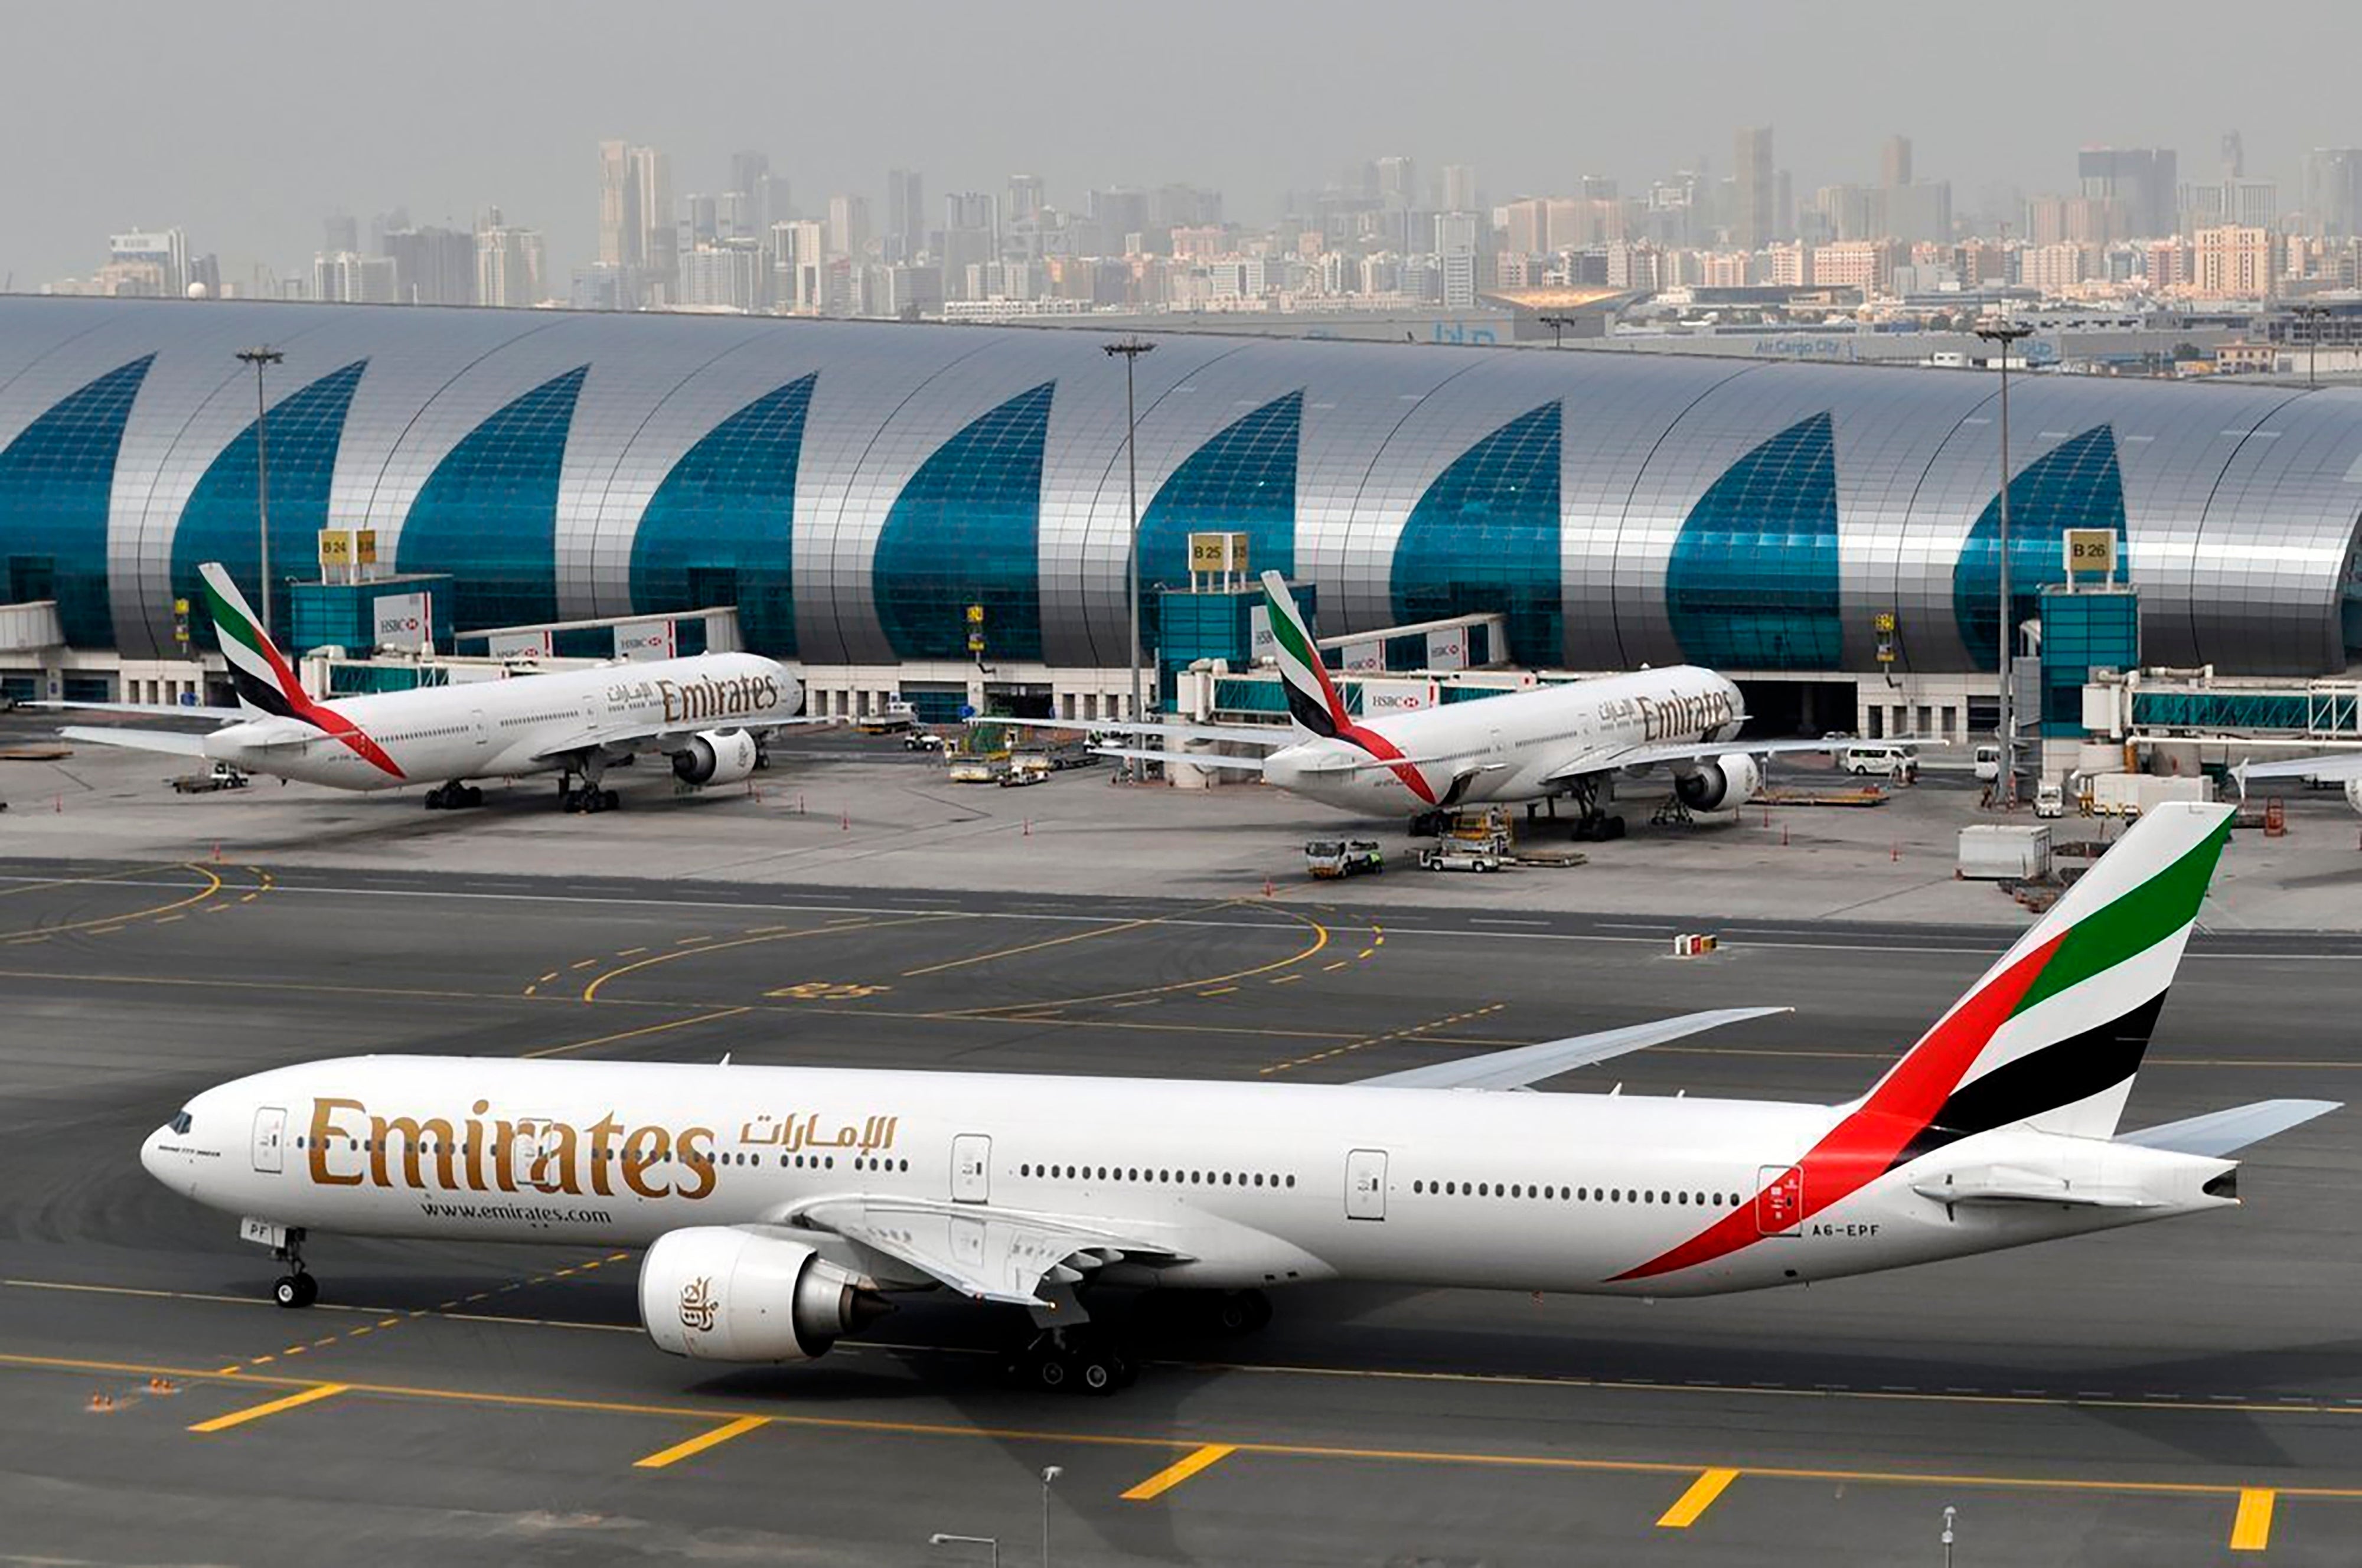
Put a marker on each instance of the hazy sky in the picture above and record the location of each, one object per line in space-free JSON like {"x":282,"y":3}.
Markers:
{"x":245,"y":125}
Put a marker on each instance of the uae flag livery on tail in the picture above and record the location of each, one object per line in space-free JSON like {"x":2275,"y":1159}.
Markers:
{"x":2050,"y":1038}
{"x":1314,"y":708}
{"x":266,"y":683}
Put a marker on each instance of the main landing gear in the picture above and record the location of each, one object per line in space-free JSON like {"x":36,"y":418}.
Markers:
{"x":1081,"y":1360}
{"x":1594,"y":826}
{"x":453,"y":796}
{"x":589,"y":797}
{"x":295,"y":1287}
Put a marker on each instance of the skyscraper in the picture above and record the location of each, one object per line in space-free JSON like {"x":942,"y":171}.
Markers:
{"x":906,"y":213}
{"x":1754,"y":190}
{"x":849,"y":224}
{"x":636,"y":230}
{"x":2332,"y":190}
{"x":161,"y":256}
{"x":1459,"y":188}
{"x":2141,"y":181}
{"x":1895,"y":162}
{"x":620,"y":231}
{"x":509,"y":263}
{"x":2235,"y":156}
{"x":1025,"y":198}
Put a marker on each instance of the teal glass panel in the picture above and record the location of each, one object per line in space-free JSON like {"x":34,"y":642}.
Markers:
{"x":1241,"y":482}
{"x":2076,"y":484}
{"x":56,"y":479}
{"x":966,"y":530}
{"x":1752,"y":583}
{"x":222,"y":520}
{"x":488,"y":514}
{"x":719,"y":529}
{"x":1486,"y":537}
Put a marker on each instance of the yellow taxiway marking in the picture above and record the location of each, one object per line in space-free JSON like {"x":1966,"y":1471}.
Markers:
{"x":1180,"y":1470}
{"x":639,"y":1033}
{"x":700,"y":1442}
{"x":212,"y":885}
{"x":1319,"y":940}
{"x":1407,"y":1032}
{"x":1552,"y":1462}
{"x":318,"y":1391}
{"x":2252,"y":1529}
{"x":706,"y":944}
{"x":1703,"y":1491}
{"x":95,"y":876}
{"x":1119,"y":927}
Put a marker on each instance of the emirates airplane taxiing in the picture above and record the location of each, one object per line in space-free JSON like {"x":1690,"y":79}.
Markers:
{"x":710,"y":715}
{"x":781,"y":1206}
{"x":1533,"y":744}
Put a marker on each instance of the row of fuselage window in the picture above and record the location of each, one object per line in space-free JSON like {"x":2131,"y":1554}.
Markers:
{"x":1552,"y":1192}
{"x":1165,"y":1177}
{"x":797,"y":1162}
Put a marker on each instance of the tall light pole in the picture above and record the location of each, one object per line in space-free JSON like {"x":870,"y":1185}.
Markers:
{"x":1049,"y":1473}
{"x":2313,"y":317}
{"x":1130,"y":349}
{"x":2007,"y":335}
{"x":260,"y":358}
{"x":1557,"y":326}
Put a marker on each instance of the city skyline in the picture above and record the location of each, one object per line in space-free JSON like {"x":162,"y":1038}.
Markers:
{"x":704,"y":87}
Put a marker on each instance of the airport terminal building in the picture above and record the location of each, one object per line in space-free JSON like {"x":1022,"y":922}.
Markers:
{"x":854,"y":487}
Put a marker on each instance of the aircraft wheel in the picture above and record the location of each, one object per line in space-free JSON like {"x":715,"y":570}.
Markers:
{"x":293,"y":1290}
{"x":1096,"y":1371}
{"x":1614,"y":828}
{"x":1049,"y":1372}
{"x":1240,"y":1311}
{"x":472,"y":796}
{"x":609,"y":799}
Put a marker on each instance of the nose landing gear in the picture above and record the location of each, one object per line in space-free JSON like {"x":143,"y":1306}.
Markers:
{"x":295,"y":1287}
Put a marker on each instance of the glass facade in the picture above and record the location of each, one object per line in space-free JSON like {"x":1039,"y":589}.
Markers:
{"x":2076,"y":484}
{"x":719,"y":529}
{"x":966,"y":531}
{"x":488,"y":514}
{"x":1484,"y":537}
{"x":854,"y":486}
{"x":222,"y":519}
{"x":1753,"y":579}
{"x":57,"y":480}
{"x":1241,"y":481}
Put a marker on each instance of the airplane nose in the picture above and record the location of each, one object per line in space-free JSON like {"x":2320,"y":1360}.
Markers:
{"x":149,"y":1158}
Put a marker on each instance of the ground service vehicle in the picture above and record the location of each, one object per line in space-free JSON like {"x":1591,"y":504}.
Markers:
{"x":1343,"y":857}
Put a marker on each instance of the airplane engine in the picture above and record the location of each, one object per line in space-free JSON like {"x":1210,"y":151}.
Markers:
{"x":715,"y":756}
{"x":1722,"y":784}
{"x":2353,"y":794}
{"x":715,"y":1293}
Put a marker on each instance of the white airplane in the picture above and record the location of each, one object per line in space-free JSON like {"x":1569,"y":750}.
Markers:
{"x":781,"y":1206}
{"x":1525,"y":745}
{"x":710,"y":714}
{"x":2334,"y":767}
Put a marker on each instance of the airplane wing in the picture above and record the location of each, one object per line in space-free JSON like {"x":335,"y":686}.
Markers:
{"x":624,"y":737}
{"x":982,"y":1250}
{"x":155,"y":710}
{"x":179,"y":743}
{"x":1523,"y":1065}
{"x":2221,"y":1132}
{"x":1604,"y":759}
{"x":2337,"y":764}
{"x":1194,"y":758}
{"x":1272,"y":736}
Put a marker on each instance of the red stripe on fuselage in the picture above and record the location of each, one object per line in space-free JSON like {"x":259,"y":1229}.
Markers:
{"x":1862,"y":1147}
{"x":324,"y":719}
{"x":1384,"y":750}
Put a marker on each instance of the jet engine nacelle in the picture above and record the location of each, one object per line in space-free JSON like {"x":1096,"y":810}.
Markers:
{"x":715,"y":1293}
{"x":1719,"y":783}
{"x":715,"y":756}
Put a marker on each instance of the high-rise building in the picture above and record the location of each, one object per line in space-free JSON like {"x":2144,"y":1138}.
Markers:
{"x":749,"y":170}
{"x":849,"y":224}
{"x":2332,"y":191}
{"x":431,"y":265}
{"x":1397,"y":180}
{"x":1459,"y":191}
{"x":2231,"y":262}
{"x":1025,"y":198}
{"x":348,"y":277}
{"x":636,"y":228}
{"x":906,"y":214}
{"x":340,"y":231}
{"x":724,"y":275}
{"x":1754,"y":190}
{"x":165,"y":250}
{"x":1455,"y":254}
{"x":509,"y":263}
{"x":2140,"y":179}
{"x":2235,"y":156}
{"x":1895,"y":162}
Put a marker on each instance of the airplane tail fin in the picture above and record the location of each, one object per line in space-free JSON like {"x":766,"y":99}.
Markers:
{"x":2053,"y":1033}
{"x":265,"y":681}
{"x":1314,"y":706}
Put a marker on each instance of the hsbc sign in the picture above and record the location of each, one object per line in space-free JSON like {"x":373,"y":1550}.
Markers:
{"x":405,"y":621}
{"x":639,"y":640}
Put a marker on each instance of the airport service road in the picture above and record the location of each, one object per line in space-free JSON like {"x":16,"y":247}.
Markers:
{"x":2153,"y":1396}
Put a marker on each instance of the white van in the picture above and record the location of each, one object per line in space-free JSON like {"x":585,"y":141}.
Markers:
{"x":1890,"y":758}
{"x":1988,"y":762}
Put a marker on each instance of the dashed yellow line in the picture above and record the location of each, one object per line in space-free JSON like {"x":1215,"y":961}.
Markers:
{"x":311,"y":1396}
{"x":1173,"y":1475}
{"x":700,"y":1442}
{"x":707,"y":944}
{"x":116,"y":922}
{"x":1710,"y":1484}
{"x":1408,"y":1032}
{"x":1114,"y":930}
{"x":573,"y":1046}
{"x":2251,"y":1531}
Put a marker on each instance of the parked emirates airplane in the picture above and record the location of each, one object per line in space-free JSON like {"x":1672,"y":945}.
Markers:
{"x":780,"y":1207}
{"x":1537,"y":744}
{"x":710,"y":714}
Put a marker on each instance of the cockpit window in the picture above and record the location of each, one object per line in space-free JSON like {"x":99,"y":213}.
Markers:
{"x":180,"y":1123}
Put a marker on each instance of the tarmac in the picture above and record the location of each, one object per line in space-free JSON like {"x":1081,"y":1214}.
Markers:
{"x":2179,"y":1393}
